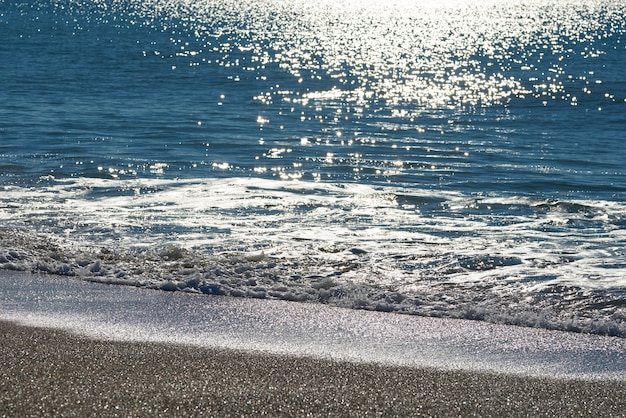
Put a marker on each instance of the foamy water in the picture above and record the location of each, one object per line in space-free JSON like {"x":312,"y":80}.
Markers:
{"x":353,"y":246}
{"x":461,"y":160}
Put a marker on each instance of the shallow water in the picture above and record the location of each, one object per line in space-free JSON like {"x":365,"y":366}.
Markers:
{"x":297,"y":329}
{"x":461,"y":160}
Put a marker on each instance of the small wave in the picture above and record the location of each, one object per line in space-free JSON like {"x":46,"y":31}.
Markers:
{"x":513,"y":260}
{"x":339,"y":281}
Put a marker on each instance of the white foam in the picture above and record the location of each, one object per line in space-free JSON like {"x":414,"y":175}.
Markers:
{"x":551,"y":264}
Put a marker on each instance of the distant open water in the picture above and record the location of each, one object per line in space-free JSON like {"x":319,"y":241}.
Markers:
{"x":461,"y":160}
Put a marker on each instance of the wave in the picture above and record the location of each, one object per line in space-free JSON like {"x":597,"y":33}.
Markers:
{"x":511,"y":260}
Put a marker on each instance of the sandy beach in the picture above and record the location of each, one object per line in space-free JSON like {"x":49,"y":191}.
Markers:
{"x":53,"y":373}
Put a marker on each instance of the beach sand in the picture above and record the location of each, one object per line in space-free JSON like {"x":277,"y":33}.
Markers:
{"x":47,"y":372}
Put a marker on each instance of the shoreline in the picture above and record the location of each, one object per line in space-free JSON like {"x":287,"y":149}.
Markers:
{"x":53,"y":372}
{"x":130,"y":314}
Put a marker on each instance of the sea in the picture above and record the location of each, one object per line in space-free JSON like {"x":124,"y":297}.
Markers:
{"x":456,"y":159}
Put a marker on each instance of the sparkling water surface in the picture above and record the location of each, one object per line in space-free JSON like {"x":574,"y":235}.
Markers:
{"x":460,"y":159}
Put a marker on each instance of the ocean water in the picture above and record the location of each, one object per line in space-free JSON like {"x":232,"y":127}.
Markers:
{"x":459,"y":159}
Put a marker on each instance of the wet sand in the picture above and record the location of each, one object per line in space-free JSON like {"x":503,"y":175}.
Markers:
{"x":46,"y":372}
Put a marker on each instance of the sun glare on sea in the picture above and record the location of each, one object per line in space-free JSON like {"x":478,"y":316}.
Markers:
{"x":410,"y":54}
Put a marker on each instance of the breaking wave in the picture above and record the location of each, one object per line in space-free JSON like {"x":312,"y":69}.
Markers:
{"x":523,"y":261}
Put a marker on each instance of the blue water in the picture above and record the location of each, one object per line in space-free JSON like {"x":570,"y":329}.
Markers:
{"x":461,"y":160}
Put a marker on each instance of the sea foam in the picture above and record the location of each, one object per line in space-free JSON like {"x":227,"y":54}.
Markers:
{"x":523,"y":261}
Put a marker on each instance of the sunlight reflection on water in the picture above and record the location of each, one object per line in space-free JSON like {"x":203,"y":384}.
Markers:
{"x":420,"y":91}
{"x":365,"y":71}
